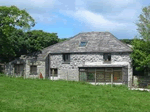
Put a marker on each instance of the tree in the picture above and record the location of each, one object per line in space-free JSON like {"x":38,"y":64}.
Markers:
{"x":15,"y":37}
{"x":11,"y":19}
{"x":37,"y":39}
{"x":126,"y":41}
{"x":63,"y":39}
{"x":141,"y":45}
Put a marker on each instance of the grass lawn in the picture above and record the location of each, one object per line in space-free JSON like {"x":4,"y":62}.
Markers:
{"x":27,"y":95}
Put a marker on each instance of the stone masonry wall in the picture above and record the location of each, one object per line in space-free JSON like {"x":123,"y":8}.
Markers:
{"x":70,"y":71}
{"x":9,"y":70}
{"x":40,"y":68}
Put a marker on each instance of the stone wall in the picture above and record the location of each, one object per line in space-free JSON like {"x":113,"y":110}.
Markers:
{"x":40,"y":68}
{"x":71,"y":72}
{"x":141,"y":81}
{"x":9,"y":69}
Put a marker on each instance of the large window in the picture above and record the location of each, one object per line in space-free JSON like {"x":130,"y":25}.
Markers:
{"x":66,"y":58}
{"x":107,"y":57}
{"x":102,"y":74}
{"x":54,"y":72}
{"x":33,"y":70}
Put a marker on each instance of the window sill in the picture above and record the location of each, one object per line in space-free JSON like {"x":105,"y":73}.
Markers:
{"x":107,"y":62}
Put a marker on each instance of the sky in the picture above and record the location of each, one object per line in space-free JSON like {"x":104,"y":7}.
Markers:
{"x":67,"y":18}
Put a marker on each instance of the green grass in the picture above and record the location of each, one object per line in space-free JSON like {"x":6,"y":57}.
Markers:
{"x":28,"y":95}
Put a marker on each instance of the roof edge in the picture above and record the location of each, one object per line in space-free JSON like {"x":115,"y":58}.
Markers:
{"x":121,"y":42}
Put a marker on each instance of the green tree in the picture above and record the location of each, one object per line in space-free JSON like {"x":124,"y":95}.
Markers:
{"x":141,"y":45}
{"x":63,"y":39}
{"x":37,"y":39}
{"x":10,"y":19}
{"x":126,"y":41}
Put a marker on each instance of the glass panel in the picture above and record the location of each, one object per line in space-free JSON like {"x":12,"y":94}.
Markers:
{"x":83,"y":76}
{"x":91,"y":70}
{"x":82,"y":44}
{"x":33,"y":70}
{"x":100,"y":69}
{"x":108,"y":76}
{"x":109,"y":69}
{"x":107,"y":57}
{"x":118,"y":76}
{"x":18,"y":69}
{"x":83,"y":69}
{"x":117,"y":69}
{"x":91,"y":76}
{"x":100,"y":77}
{"x":66,"y":57}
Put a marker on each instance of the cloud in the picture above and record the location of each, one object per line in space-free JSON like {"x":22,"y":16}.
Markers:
{"x":40,"y":10}
{"x":115,"y":16}
{"x":96,"y":15}
{"x":96,"y":21}
{"x":109,"y":6}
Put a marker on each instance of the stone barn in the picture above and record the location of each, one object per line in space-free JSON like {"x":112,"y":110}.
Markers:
{"x":96,"y":57}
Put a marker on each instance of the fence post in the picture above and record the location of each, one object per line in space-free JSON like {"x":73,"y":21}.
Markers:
{"x":111,"y":79}
{"x":95,"y":76}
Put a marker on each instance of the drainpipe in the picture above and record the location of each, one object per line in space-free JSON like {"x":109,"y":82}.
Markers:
{"x":95,"y":76}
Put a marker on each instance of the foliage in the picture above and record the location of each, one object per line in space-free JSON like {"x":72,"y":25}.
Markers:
{"x":126,"y":41}
{"x":19,"y":95}
{"x":29,"y":42}
{"x":37,"y":39}
{"x":141,"y":46}
{"x":15,"y":37}
{"x":141,"y":55}
{"x":10,"y":19}
{"x":63,"y":39}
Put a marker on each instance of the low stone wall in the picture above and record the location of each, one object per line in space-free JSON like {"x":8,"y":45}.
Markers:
{"x":141,"y":81}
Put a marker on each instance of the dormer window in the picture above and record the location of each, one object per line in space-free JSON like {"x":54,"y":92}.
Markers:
{"x":83,"y":44}
{"x":107,"y":56}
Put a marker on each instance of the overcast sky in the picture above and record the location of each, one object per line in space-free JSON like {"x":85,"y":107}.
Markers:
{"x":70,"y":17}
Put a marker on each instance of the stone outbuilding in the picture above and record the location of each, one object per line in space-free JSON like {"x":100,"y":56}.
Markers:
{"x":96,"y":57}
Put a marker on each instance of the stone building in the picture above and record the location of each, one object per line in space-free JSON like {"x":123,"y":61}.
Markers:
{"x":96,"y":57}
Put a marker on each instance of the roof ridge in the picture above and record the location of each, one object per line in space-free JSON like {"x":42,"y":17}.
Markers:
{"x":96,"y":32}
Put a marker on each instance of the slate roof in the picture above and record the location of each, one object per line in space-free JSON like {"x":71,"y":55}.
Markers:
{"x":96,"y":42}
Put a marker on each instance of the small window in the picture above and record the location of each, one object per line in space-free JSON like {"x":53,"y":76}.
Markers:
{"x":66,"y":58}
{"x":82,"y":44}
{"x":18,"y":68}
{"x":33,"y":70}
{"x":107,"y":57}
{"x":54,"y":72}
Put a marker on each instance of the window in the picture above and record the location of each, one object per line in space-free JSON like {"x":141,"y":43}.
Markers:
{"x":102,"y":74}
{"x":33,"y":70}
{"x":66,"y":58}
{"x":18,"y":69}
{"x":54,"y":72}
{"x":82,"y":44}
{"x":107,"y":57}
